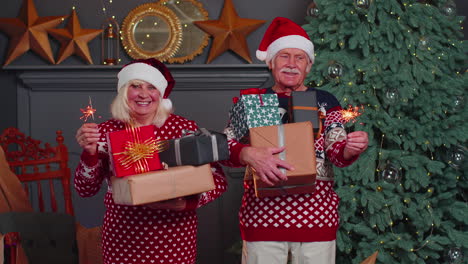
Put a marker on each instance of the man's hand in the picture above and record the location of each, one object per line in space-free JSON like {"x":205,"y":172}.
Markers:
{"x":266,"y":165}
{"x":356,"y":143}
{"x":177,"y":204}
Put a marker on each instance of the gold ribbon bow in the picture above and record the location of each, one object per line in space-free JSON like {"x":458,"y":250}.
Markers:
{"x":137,"y":152}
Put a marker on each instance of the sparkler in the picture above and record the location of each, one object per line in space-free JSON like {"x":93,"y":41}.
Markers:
{"x":88,"y":111}
{"x":351,"y":113}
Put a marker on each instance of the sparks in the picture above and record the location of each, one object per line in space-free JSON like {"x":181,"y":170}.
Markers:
{"x":351,"y":113}
{"x":88,"y":111}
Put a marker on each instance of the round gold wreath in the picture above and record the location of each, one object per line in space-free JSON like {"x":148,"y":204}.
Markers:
{"x":140,"y":12}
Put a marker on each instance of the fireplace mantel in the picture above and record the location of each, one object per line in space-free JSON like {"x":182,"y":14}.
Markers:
{"x":200,"y":77}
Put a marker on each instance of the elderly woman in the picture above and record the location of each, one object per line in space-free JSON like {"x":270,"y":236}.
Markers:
{"x":161,"y":232}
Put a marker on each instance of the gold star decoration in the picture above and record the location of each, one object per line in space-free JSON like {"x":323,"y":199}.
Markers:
{"x":74,"y":39}
{"x":229,"y":32}
{"x":29,"y":32}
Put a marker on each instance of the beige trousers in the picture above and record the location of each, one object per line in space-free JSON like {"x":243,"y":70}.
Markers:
{"x":273,"y":252}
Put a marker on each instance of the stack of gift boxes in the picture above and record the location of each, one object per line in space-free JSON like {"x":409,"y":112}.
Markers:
{"x":148,"y":170}
{"x":256,"y":115}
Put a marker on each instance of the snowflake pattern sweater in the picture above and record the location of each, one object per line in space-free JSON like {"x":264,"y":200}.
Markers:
{"x":139,"y":234}
{"x":299,"y":217}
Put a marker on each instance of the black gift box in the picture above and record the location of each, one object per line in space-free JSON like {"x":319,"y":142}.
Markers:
{"x":195,"y":149}
{"x":303,"y":107}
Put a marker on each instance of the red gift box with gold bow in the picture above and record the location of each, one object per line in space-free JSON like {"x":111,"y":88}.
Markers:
{"x":134,"y":150}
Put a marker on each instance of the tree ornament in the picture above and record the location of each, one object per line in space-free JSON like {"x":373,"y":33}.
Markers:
{"x":449,"y":9}
{"x":458,"y":103}
{"x":423,"y":42}
{"x":392,"y":95}
{"x":335,"y":70}
{"x":391,"y":173}
{"x":454,"y":256}
{"x":456,"y":156}
{"x":362,"y":4}
{"x":312,"y":10}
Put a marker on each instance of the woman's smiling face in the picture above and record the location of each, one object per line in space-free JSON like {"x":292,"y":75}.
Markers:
{"x":143,"y":101}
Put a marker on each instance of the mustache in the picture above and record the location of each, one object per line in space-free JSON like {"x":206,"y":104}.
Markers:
{"x":289,"y":70}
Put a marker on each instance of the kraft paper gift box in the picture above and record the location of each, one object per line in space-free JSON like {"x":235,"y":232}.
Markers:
{"x":200,"y":147}
{"x":162,"y":184}
{"x":303,"y":107}
{"x":300,"y":153}
{"x":134,"y":151}
{"x":254,"y":110}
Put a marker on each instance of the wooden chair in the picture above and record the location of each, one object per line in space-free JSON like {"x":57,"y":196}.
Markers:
{"x":34,"y":165}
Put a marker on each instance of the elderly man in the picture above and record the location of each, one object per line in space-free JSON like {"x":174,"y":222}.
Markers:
{"x":302,"y":225}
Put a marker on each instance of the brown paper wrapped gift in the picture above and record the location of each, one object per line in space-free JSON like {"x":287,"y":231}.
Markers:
{"x":298,"y":138}
{"x":162,"y":185}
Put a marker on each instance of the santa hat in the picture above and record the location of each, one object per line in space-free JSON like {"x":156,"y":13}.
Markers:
{"x":151,"y":71}
{"x":281,"y":34}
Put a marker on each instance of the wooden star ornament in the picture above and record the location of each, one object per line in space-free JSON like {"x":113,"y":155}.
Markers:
{"x":229,"y":32}
{"x":29,"y":32}
{"x":74,"y":39}
{"x":371,"y":259}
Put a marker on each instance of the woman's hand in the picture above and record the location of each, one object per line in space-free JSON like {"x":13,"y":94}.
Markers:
{"x":177,"y":204}
{"x":87,"y":137}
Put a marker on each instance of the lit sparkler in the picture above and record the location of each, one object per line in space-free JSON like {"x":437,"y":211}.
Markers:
{"x":88,"y":111}
{"x":351,"y":113}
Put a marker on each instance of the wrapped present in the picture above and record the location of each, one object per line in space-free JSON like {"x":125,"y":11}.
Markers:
{"x":134,"y":150}
{"x":196,"y":148}
{"x":299,"y":142}
{"x":253,"y":110}
{"x":303,"y":107}
{"x":162,"y":184}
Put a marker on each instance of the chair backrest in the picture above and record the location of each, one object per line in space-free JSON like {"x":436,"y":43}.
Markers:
{"x":34,"y":164}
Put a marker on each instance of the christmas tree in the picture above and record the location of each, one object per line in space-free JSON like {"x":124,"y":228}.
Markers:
{"x":400,"y":64}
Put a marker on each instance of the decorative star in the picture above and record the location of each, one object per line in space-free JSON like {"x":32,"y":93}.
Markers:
{"x":371,"y":259}
{"x":29,"y":32}
{"x":74,"y":39}
{"x":229,"y":32}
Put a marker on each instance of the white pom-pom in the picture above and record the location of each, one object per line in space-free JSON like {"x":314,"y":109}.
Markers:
{"x":261,"y":55}
{"x":167,"y":104}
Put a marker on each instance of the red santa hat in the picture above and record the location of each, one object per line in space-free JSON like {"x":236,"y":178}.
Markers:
{"x":281,"y":34}
{"x":152,"y":71}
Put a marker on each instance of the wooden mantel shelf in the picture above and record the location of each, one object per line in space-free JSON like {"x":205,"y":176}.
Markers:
{"x":104,"y":78}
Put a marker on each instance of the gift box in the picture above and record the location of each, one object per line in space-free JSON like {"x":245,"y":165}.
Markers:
{"x":303,"y":107}
{"x":254,"y":110}
{"x":162,"y":184}
{"x":134,"y":150}
{"x":300,"y":153}
{"x":197,"y":148}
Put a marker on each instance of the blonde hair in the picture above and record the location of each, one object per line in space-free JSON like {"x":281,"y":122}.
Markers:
{"x":121,"y":111}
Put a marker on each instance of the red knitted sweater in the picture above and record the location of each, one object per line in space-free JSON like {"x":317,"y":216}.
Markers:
{"x":139,"y":234}
{"x":300,"y":217}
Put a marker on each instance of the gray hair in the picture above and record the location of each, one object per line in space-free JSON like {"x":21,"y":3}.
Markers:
{"x":271,"y":66}
{"x":121,"y":111}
